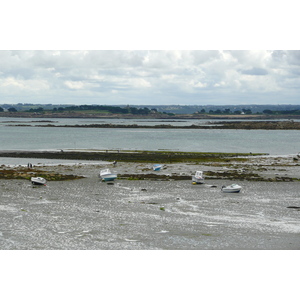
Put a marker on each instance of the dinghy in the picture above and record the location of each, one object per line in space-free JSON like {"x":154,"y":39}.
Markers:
{"x":38,"y":181}
{"x":157,"y":167}
{"x":233,"y":188}
{"x":107,"y":175}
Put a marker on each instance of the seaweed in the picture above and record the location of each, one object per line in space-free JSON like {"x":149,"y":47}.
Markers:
{"x":135,"y":156}
{"x":27,"y":173}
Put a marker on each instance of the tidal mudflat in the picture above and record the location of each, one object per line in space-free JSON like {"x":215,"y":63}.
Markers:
{"x":154,"y":214}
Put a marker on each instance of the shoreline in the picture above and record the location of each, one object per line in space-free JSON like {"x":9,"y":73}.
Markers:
{"x":138,"y":166}
{"x":240,"y":125}
{"x":146,"y":210}
{"x":149,"y":116}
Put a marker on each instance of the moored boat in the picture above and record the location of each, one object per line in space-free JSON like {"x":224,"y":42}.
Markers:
{"x":198,"y":178}
{"x":157,"y":167}
{"x":38,"y":181}
{"x":233,"y":188}
{"x":107,"y":175}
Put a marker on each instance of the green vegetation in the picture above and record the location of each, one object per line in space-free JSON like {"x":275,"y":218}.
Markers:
{"x":106,"y":109}
{"x":96,"y":109}
{"x":136,"y":156}
{"x":282,"y":112}
{"x":227,"y":111}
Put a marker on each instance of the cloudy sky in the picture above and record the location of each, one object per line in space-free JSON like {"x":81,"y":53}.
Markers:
{"x":145,"y":70}
{"x":150,"y":77}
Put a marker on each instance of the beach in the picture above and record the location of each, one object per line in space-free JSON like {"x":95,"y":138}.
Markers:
{"x":160,"y":212}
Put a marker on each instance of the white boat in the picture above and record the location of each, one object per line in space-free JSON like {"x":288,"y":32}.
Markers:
{"x":198,"y":177}
{"x":233,"y":188}
{"x":38,"y":181}
{"x":157,"y":167}
{"x":106,"y":175}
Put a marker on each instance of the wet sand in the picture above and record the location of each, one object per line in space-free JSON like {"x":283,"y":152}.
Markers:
{"x":149,"y":214}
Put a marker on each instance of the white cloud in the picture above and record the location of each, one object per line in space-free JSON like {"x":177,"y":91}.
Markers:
{"x":75,"y":85}
{"x":11,"y":84}
{"x":197,"y":84}
{"x":140,"y":83}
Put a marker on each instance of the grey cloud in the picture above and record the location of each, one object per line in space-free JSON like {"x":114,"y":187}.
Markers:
{"x":255,"y":71}
{"x":293,"y":57}
{"x":278,"y":55}
{"x":202,"y":57}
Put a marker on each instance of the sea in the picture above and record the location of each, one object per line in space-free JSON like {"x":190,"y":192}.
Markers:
{"x":88,"y":214}
{"x":23,"y":134}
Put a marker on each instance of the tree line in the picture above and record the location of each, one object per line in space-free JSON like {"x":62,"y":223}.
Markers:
{"x":145,"y":111}
{"x":105,"y":108}
{"x":99,"y":108}
{"x":226,"y":111}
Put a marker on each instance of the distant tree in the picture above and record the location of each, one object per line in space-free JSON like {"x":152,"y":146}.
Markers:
{"x":247,"y":111}
{"x":202,"y":111}
{"x":144,"y":111}
{"x":133,"y":110}
{"x":39,"y":109}
{"x":268,"y":112}
{"x":12,"y":109}
{"x":1,"y":109}
{"x":237,"y":112}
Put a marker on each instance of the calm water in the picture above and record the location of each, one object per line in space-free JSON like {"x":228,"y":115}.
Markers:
{"x":38,"y":138}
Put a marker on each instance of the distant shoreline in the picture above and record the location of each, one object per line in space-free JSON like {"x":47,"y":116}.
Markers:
{"x":76,"y":115}
{"x":243,"y":125}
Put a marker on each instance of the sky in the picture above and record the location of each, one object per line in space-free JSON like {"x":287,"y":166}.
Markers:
{"x":127,"y":53}
{"x":198,"y":77}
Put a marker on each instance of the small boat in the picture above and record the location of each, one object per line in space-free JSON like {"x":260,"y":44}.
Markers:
{"x":233,"y":188}
{"x":157,"y":167}
{"x":106,"y":175}
{"x":38,"y":181}
{"x":198,"y":178}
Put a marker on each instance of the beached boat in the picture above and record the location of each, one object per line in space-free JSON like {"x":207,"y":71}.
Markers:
{"x":157,"y":167}
{"x":198,"y":177}
{"x":233,"y":188}
{"x":107,"y":175}
{"x":38,"y":181}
